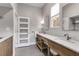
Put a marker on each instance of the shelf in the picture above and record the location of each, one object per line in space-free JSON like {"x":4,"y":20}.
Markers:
{"x":24,"y":38}
{"x":23,"y":19}
{"x":23,"y":41}
{"x":23,"y":25}
{"x":23,"y":22}
{"x":23,"y":33}
{"x":23,"y":28}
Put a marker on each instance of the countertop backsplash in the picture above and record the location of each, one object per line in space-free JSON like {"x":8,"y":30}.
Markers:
{"x":59,"y":32}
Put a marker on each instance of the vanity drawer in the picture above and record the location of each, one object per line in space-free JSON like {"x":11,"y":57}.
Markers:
{"x":63,"y":51}
{"x":39,"y":37}
{"x":45,"y":40}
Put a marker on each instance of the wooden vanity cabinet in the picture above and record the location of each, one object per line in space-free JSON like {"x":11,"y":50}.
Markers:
{"x":41,"y":44}
{"x":6,"y":47}
{"x":60,"y":49}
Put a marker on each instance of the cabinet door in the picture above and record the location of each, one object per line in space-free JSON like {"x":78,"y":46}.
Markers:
{"x":63,"y":51}
{"x":6,"y":47}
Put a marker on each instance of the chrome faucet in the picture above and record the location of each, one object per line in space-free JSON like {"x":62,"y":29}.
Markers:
{"x":67,"y":36}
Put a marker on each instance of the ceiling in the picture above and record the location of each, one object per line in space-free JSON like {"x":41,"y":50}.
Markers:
{"x":40,"y":5}
{"x":6,"y":5}
{"x":4,"y":8}
{"x":63,"y":4}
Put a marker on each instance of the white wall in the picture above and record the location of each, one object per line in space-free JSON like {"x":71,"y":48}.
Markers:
{"x":6,"y":24}
{"x":46,"y":10}
{"x":35,"y":15}
{"x":71,"y":10}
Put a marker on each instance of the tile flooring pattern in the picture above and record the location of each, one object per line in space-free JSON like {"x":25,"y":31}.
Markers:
{"x":28,"y":51}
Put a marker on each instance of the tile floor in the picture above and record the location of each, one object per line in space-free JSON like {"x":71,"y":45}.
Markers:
{"x":28,"y":51}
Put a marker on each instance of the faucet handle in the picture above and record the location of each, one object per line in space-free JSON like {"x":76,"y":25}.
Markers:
{"x":65,"y":34}
{"x":69,"y":37}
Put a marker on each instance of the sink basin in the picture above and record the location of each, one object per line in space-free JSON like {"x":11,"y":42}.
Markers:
{"x":0,"y":37}
{"x":70,"y":41}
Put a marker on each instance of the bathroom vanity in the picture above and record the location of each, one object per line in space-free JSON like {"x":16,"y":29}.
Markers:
{"x":61,"y":47}
{"x":6,"y":46}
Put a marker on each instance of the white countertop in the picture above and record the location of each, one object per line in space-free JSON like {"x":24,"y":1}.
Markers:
{"x":72,"y":46}
{"x":6,"y":37}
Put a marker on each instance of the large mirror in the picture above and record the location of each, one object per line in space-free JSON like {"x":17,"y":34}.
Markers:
{"x":70,"y":17}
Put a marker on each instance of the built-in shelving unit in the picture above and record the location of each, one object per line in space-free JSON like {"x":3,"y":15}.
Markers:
{"x":23,"y":31}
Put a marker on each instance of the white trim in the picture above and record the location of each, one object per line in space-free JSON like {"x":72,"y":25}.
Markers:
{"x":14,"y":41}
{"x":21,"y":45}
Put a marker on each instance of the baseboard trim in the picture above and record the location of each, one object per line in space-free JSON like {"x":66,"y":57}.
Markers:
{"x":22,"y":45}
{"x":32,"y":43}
